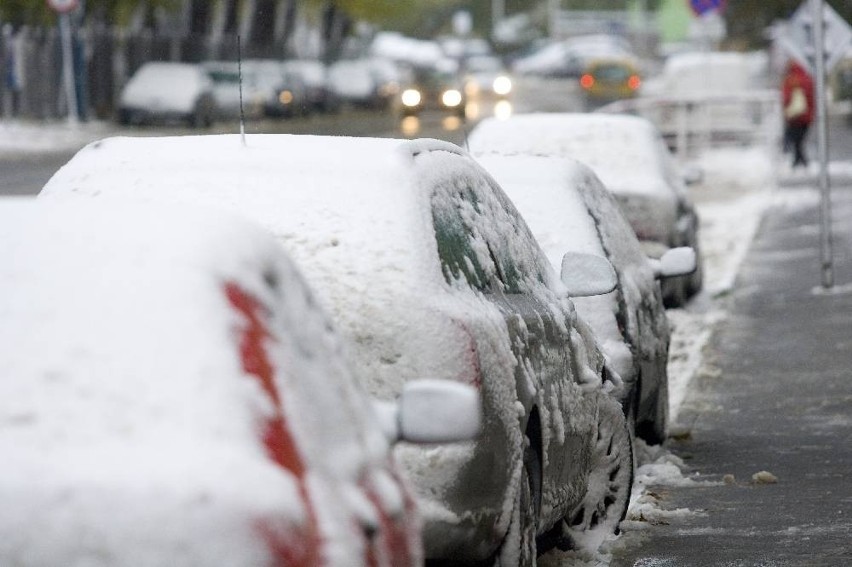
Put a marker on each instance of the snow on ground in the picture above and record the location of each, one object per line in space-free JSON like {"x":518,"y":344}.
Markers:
{"x":22,"y":137}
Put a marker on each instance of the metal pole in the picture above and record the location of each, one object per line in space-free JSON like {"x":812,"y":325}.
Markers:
{"x":498,"y":12}
{"x":826,"y":252}
{"x":68,"y":69}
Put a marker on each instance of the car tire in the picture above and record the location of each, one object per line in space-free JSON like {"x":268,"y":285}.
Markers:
{"x":652,"y":427}
{"x":519,"y":545}
{"x":610,"y":480}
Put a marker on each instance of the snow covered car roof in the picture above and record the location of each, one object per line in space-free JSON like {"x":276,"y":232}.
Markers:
{"x":352,"y":211}
{"x":167,"y":379}
{"x":622,"y":150}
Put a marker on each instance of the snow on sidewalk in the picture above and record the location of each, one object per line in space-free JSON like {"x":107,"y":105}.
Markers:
{"x":22,"y":137}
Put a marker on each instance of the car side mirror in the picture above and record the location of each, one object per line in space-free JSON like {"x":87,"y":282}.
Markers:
{"x":585,"y":275}
{"x":432,"y":411}
{"x":675,"y":262}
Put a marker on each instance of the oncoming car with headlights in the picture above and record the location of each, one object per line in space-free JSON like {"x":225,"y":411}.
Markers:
{"x":486,"y":77}
{"x":434,"y":88}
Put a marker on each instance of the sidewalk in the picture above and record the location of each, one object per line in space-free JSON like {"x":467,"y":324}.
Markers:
{"x":780,"y":401}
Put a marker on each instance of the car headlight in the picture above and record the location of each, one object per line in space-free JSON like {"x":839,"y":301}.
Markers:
{"x":285,"y":97}
{"x":502,"y":85}
{"x":451,"y":98}
{"x":411,"y":97}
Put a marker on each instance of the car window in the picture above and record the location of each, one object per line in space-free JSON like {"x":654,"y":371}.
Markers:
{"x":481,"y":237}
{"x":612,"y":73}
{"x":454,"y":238}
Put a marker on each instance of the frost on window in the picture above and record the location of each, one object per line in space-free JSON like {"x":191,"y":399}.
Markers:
{"x":481,"y":238}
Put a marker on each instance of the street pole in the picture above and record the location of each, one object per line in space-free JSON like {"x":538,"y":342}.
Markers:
{"x":498,"y":12}
{"x":826,"y":245}
{"x":68,"y":69}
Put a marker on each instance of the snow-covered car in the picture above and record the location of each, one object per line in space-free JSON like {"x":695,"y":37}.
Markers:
{"x":172,"y":395}
{"x":569,"y":210}
{"x":430,"y":272}
{"x":629,"y":156}
{"x":165,"y":92}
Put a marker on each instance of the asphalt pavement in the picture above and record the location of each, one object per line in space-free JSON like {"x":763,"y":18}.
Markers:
{"x":768,"y":424}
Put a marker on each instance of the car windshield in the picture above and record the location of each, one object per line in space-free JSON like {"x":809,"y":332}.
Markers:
{"x":612,"y":73}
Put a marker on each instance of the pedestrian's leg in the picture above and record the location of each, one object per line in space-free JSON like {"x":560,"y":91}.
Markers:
{"x":797,"y":136}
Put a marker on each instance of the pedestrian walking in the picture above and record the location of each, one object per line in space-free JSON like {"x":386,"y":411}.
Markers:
{"x":797,"y":96}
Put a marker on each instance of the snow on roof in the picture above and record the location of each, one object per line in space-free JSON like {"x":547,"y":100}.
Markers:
{"x":123,"y":405}
{"x":350,"y":211}
{"x":622,"y":150}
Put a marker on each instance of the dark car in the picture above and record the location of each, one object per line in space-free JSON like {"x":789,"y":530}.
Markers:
{"x":434,"y":88}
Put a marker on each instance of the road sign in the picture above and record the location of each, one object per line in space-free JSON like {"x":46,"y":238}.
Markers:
{"x":63,"y":6}
{"x":799,"y":39}
{"x":701,"y":7}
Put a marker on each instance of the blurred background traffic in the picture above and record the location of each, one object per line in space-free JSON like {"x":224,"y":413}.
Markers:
{"x":145,"y":62}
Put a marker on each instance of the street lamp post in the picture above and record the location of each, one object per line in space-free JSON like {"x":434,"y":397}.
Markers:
{"x":826,"y":244}
{"x":63,"y":9}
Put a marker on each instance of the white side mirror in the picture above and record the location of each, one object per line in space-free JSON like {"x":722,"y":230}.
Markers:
{"x":432,"y":411}
{"x":585,"y":275}
{"x":675,"y":262}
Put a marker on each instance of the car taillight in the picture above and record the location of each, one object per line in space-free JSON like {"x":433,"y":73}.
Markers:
{"x":587,"y":81}
{"x":634,"y":82}
{"x":290,"y":545}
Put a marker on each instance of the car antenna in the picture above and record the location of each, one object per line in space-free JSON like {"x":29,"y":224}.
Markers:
{"x":240,"y":81}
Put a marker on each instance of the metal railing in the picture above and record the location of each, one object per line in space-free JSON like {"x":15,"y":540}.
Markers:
{"x":692,"y":124}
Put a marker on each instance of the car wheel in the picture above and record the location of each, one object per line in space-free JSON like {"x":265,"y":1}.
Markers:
{"x":610,"y":480}
{"x":653,"y":425}
{"x":519,"y":546}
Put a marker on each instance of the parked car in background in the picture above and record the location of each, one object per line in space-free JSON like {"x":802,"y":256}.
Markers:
{"x":606,"y":80}
{"x":434,"y":88}
{"x":282,"y":90}
{"x":225,"y":76}
{"x":168,"y":92}
{"x":268,"y":89}
{"x":314,"y":75}
{"x":167,"y":383}
{"x":367,"y":83}
{"x":429,"y":271}
{"x":569,"y":210}
{"x":629,"y":156}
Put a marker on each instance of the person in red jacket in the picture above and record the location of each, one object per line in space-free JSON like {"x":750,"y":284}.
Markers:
{"x":797,"y":96}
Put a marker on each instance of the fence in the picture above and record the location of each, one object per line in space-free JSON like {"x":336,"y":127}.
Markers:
{"x":692,"y":124}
